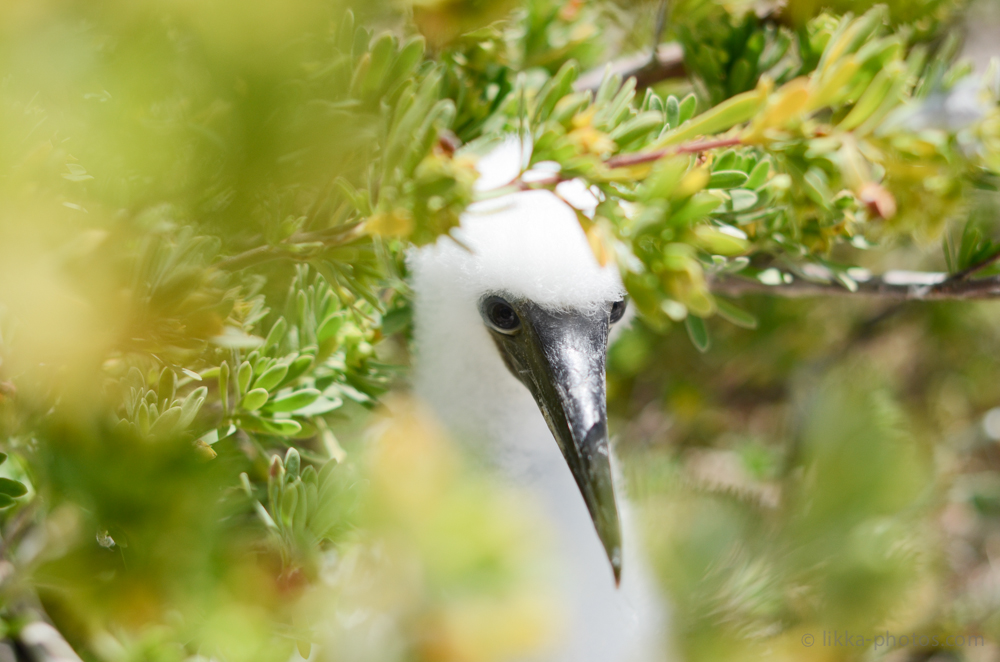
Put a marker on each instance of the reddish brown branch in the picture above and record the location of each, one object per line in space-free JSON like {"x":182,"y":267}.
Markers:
{"x":625,"y":160}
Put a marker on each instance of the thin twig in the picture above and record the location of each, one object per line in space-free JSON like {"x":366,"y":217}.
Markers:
{"x":249,"y":258}
{"x":975,"y":268}
{"x":667,"y":62}
{"x":625,"y":160}
{"x":889,"y":287}
{"x":661,"y":25}
{"x":329,"y":238}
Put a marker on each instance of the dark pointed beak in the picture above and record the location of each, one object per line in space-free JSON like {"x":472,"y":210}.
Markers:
{"x":560,"y":357}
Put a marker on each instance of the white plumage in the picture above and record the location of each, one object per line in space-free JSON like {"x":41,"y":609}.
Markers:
{"x":529,"y":246}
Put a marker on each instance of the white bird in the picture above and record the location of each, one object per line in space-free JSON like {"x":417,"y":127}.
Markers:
{"x":512,"y":326}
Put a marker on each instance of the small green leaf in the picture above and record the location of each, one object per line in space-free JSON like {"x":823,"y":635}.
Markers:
{"x":758,"y":176}
{"x":727,"y":179}
{"x":3,"y":458}
{"x":166,"y":422}
{"x":244,"y":375}
{"x":142,"y":417}
{"x":255,"y":399}
{"x":742,"y":199}
{"x":816,"y":188}
{"x":637,"y":127}
{"x":319,"y":407}
{"x":6,"y":501}
{"x":272,"y":377}
{"x":294,"y":401}
{"x":292,"y":463}
{"x":297,"y":368}
{"x":210,"y":373}
{"x":192,"y":374}
{"x":12,"y":488}
{"x":277,"y":333}
{"x":673,"y":112}
{"x":688,"y":106}
{"x":700,"y":205}
{"x":191,"y":406}
{"x":698,"y":333}
{"x":737,"y":316}
{"x":282,"y":427}
{"x":166,"y":388}
{"x":235,"y":339}
{"x":726,"y":162}
{"x":330,"y":326}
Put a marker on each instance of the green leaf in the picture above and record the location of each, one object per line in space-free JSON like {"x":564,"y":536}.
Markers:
{"x":816,"y":188}
{"x":555,"y":89}
{"x":294,"y":401}
{"x":872,"y":98}
{"x":292,"y":463}
{"x":723,"y":117}
{"x":191,"y":406}
{"x":272,"y":377}
{"x":297,"y":368}
{"x":235,"y":339}
{"x":609,"y":85}
{"x":637,"y":127}
{"x":166,"y":422}
{"x":737,"y":316}
{"x":244,"y":375}
{"x":330,"y":326}
{"x":255,"y":399}
{"x":728,"y":161}
{"x":701,"y":204}
{"x":320,"y":406}
{"x":727,"y":179}
{"x":673,"y":112}
{"x":276,"y":334}
{"x":382,"y":52}
{"x":409,"y":57}
{"x":166,"y":387}
{"x":569,"y":106}
{"x":687,"y":108}
{"x":281,"y":427}
{"x":742,"y":199}
{"x":6,"y":501}
{"x":12,"y":488}
{"x":698,"y":333}
{"x":758,"y":176}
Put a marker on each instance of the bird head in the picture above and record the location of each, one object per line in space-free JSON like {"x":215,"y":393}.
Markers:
{"x":520,"y":276}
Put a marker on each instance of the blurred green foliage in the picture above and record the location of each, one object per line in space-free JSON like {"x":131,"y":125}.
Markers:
{"x":204,"y":210}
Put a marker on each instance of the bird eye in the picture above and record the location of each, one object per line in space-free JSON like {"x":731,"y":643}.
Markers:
{"x":500,"y":315}
{"x":618,"y":309}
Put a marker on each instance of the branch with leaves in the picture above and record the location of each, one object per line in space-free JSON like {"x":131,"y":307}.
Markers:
{"x":893,"y":286}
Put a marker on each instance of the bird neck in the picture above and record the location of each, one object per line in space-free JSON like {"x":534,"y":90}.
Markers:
{"x":459,"y":373}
